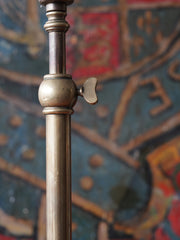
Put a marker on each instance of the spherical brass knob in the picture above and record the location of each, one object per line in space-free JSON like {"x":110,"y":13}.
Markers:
{"x":57,"y":91}
{"x":45,"y":2}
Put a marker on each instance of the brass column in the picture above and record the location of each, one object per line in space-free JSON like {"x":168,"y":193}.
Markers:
{"x":58,"y":94}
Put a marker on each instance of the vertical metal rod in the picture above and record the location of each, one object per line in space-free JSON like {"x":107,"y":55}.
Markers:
{"x":58,"y":177}
{"x":57,"y":56}
{"x":57,"y":94}
{"x":58,"y":152}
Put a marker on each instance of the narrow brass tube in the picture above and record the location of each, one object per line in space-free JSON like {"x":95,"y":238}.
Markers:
{"x":57,"y":54}
{"x":58,"y":177}
{"x":58,"y":94}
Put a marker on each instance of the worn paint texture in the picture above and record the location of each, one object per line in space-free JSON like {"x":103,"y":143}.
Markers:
{"x":125,"y":150}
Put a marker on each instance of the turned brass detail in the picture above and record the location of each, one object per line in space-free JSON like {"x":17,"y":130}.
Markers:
{"x":58,"y":94}
{"x":57,"y":91}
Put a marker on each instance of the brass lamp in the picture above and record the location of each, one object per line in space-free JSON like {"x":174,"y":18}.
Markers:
{"x":58,"y":94}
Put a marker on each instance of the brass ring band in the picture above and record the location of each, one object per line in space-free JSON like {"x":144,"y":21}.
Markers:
{"x":57,"y":110}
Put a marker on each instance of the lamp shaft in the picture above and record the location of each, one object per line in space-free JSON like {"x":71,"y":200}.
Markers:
{"x":57,"y":55}
{"x":57,"y":94}
{"x":58,"y":176}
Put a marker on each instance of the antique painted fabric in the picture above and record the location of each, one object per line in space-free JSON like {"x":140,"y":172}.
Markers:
{"x":125,"y":149}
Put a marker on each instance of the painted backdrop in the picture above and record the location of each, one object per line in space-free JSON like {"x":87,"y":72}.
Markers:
{"x":125,"y":150}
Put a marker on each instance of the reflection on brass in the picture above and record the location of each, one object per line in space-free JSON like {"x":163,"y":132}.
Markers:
{"x":58,"y":94}
{"x":88,"y":91}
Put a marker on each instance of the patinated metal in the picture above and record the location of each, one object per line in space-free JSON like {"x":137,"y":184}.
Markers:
{"x":58,"y":94}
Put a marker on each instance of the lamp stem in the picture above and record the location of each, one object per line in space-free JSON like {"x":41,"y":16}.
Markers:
{"x":57,"y":94}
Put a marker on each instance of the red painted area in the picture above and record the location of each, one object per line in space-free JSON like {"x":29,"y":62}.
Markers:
{"x":167,"y":190}
{"x":178,"y":180}
{"x":152,"y":1}
{"x":97,"y":49}
{"x":174,"y":218}
{"x":2,"y":237}
{"x":170,"y":172}
{"x":161,"y":235}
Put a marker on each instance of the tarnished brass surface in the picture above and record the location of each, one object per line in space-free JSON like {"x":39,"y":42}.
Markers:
{"x":58,"y":177}
{"x":57,"y":91}
{"x":58,"y":94}
{"x":57,"y":27}
{"x":88,"y":91}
